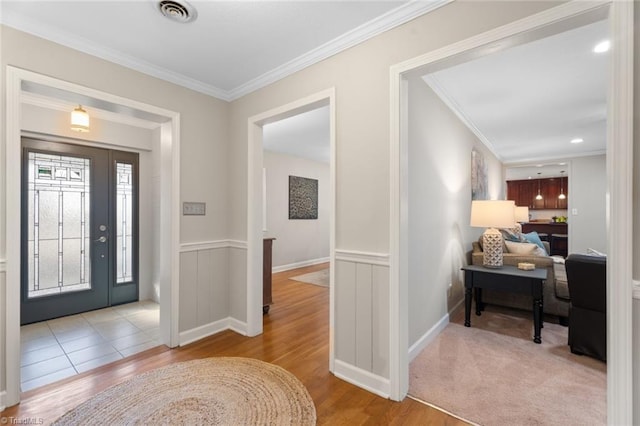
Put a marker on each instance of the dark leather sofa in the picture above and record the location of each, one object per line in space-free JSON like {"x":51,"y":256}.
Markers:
{"x":587,"y":280}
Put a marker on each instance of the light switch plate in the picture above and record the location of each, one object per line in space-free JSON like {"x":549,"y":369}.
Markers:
{"x":194,"y":209}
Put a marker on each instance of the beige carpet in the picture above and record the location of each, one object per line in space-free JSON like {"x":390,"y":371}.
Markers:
{"x":493,"y":374}
{"x":320,"y":278}
{"x":211,"y":391}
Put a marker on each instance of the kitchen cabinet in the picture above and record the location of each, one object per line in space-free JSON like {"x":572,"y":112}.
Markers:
{"x":524,"y":192}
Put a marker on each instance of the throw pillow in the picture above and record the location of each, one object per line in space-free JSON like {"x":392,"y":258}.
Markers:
{"x":525,"y":249}
{"x":534,"y":238}
{"x":512,"y":234}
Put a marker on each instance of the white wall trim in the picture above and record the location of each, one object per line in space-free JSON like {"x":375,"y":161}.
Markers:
{"x":212,"y":245}
{"x":362,"y":378}
{"x":197,"y":333}
{"x":3,"y":396}
{"x":238,"y":326}
{"x":428,"y":337}
{"x":636,"y":289}
{"x":619,"y":144}
{"x":398,"y":16}
{"x":381,"y":259}
{"x":301,"y":264}
{"x":169,"y":148}
{"x":620,"y":217}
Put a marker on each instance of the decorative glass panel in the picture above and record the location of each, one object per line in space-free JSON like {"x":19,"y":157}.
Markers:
{"x":58,"y":229}
{"x":124,"y":222}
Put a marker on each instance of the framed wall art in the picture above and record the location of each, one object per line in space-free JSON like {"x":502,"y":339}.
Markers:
{"x":303,"y":198}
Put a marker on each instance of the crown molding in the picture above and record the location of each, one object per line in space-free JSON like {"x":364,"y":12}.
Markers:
{"x":385,"y":22}
{"x":398,"y":16}
{"x":435,"y":85}
{"x":23,"y":23}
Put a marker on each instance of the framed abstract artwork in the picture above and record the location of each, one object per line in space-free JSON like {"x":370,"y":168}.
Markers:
{"x":303,"y":198}
{"x":479,"y":176}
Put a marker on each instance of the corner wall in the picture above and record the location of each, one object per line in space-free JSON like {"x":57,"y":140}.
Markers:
{"x":588,"y":195}
{"x":439,"y":150}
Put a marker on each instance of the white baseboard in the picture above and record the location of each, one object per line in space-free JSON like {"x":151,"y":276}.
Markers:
{"x":238,"y":326}
{"x":3,"y":396}
{"x":296,"y":265}
{"x":212,"y":328}
{"x":362,"y":378}
{"x":428,"y":337}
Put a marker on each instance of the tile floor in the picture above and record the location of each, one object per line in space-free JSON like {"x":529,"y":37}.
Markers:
{"x":56,"y":349}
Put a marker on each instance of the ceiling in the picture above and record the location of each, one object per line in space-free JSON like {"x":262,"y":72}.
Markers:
{"x":528,"y":102}
{"x":304,"y":135}
{"x":229,"y":50}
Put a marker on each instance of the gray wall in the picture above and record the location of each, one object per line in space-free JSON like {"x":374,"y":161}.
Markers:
{"x":297,"y":241}
{"x":439,"y":149}
{"x":587,"y":194}
{"x":360,"y":76}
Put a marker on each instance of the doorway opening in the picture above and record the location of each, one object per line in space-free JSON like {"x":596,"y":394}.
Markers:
{"x":256,"y":203}
{"x":161,"y":205}
{"x":619,"y":184}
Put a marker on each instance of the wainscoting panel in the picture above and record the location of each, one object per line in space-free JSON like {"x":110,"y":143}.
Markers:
{"x":238,"y":283}
{"x":380,"y":321}
{"x":204,"y":282}
{"x":362,"y":317}
{"x":345,"y":312}
{"x":364,"y":283}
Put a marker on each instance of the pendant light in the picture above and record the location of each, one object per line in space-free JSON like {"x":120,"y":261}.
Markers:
{"x":79,"y":120}
{"x":539,"y":196}
{"x":561,"y":196}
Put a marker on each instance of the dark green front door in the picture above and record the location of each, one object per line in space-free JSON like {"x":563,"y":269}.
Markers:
{"x":79,"y":246}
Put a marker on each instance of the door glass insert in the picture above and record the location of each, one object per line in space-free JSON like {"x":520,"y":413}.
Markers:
{"x":124,"y":222}
{"x":58,"y":224}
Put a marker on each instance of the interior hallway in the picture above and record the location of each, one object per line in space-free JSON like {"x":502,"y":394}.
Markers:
{"x":296,"y":337}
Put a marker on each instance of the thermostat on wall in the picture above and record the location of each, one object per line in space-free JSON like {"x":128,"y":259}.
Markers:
{"x":194,"y":209}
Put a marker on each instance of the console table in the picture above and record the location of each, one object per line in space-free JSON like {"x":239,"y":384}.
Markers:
{"x":508,"y":278}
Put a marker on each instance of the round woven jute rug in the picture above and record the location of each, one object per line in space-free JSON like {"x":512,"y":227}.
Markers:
{"x":211,"y":391}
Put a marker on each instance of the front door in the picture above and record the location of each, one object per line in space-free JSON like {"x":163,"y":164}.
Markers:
{"x":79,"y":229}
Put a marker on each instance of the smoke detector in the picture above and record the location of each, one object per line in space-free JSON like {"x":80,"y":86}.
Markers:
{"x":178,"y":11}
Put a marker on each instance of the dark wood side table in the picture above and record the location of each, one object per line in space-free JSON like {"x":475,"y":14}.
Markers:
{"x":510,"y":279}
{"x":267,"y":244}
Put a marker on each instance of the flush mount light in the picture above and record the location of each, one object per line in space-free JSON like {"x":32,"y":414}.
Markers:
{"x":577,"y":140}
{"x":178,"y":11}
{"x":602,"y":47}
{"x":79,"y":120}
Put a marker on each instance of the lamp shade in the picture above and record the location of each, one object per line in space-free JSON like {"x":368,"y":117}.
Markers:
{"x":79,"y":120}
{"x":522,"y":214}
{"x":493,"y":213}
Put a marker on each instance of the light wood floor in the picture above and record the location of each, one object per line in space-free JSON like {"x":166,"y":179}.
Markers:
{"x":296,"y":337}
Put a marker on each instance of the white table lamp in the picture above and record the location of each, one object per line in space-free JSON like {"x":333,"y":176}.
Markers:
{"x":522,"y":216}
{"x":492,"y":214}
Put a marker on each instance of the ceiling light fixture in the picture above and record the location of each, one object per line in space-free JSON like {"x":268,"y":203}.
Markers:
{"x":79,"y":120}
{"x":577,"y":140}
{"x":177,"y":11}
{"x":602,"y":47}
{"x":561,"y":196}
{"x":539,"y":196}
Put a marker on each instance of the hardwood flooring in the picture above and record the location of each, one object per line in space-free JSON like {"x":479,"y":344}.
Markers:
{"x":296,"y":337}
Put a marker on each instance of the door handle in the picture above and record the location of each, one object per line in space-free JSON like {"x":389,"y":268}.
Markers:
{"x":102,"y":239}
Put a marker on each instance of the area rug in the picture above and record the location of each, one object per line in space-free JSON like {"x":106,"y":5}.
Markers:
{"x":211,"y":391}
{"x":493,"y":374}
{"x":320,"y":278}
